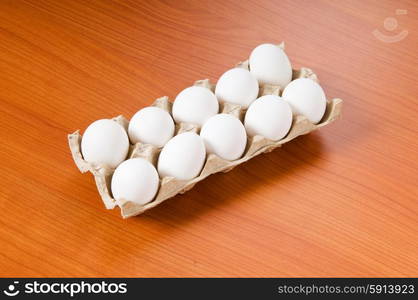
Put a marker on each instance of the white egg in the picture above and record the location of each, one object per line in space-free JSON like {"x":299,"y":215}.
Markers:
{"x":135,"y":180}
{"x":105,"y":142}
{"x":182,"y":157}
{"x":270,"y":65}
{"x":306,"y":97}
{"x":269,"y":116}
{"x":195,"y":105}
{"x":225,"y":136}
{"x":237,"y":86}
{"x":151,"y":125}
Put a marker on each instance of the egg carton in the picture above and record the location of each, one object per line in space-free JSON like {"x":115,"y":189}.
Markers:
{"x":170,"y":186}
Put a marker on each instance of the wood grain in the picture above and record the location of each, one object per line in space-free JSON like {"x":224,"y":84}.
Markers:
{"x":338,"y":202}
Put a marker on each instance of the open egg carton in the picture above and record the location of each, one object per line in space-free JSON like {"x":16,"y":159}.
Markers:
{"x":170,"y":186}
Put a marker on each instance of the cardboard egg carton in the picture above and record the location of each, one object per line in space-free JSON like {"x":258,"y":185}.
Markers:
{"x":170,"y":186}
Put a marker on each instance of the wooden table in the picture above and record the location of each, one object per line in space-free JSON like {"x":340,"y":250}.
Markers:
{"x":339,"y":202}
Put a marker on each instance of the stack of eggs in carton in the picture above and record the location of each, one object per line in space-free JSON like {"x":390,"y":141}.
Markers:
{"x":168,"y":147}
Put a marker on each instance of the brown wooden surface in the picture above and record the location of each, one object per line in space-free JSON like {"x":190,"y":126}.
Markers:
{"x":339,"y":202}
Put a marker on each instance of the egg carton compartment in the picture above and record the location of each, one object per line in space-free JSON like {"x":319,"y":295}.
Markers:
{"x":170,"y":186}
